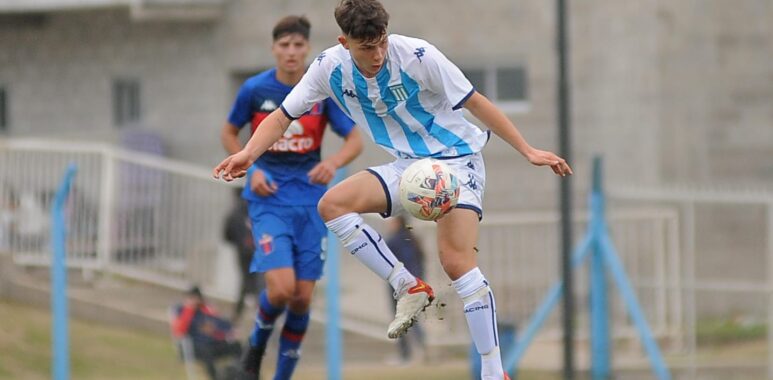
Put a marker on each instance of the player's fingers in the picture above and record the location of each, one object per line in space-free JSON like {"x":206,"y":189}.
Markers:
{"x":568,"y":169}
{"x":219,"y":168}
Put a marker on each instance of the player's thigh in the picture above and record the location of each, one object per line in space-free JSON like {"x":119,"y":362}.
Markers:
{"x":273,"y":236}
{"x":309,"y":244}
{"x":457,"y":234}
{"x":361,"y":193}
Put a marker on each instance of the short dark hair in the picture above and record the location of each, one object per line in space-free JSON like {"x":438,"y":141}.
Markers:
{"x":195,"y":291}
{"x":292,"y":25}
{"x":365,"y":20}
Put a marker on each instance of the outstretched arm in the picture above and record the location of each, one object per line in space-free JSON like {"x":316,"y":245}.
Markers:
{"x":267,"y":133}
{"x":324,"y":171}
{"x":494,"y":119}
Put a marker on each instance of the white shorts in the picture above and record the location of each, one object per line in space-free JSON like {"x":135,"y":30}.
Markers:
{"x":469,"y":169}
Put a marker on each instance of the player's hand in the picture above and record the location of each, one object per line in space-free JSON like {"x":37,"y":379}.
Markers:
{"x":545,"y":158}
{"x":322,"y":173}
{"x":261,"y":185}
{"x":234,"y":166}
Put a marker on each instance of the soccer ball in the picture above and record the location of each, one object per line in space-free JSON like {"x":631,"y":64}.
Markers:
{"x":428,"y":189}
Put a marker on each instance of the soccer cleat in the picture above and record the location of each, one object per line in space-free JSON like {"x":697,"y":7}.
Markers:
{"x":251,"y":362}
{"x":409,"y":304}
{"x":506,"y":377}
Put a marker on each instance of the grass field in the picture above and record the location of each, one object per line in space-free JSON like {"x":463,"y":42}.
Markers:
{"x":101,"y":352}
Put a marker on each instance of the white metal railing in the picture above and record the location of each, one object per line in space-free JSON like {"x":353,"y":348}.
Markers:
{"x":726,"y":254}
{"x":519,"y":254}
{"x":160,"y":221}
{"x":130,"y":213}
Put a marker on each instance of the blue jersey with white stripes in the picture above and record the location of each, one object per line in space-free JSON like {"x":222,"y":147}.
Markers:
{"x":411,"y":108}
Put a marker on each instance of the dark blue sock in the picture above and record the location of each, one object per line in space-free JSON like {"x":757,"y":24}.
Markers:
{"x":290,"y":343}
{"x":264,"y":321}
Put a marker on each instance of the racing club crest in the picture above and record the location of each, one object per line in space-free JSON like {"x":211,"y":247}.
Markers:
{"x":266,"y":243}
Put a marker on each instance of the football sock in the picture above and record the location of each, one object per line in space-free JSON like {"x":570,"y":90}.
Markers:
{"x":480,"y":311}
{"x":367,"y":245}
{"x":290,"y":343}
{"x":264,"y":321}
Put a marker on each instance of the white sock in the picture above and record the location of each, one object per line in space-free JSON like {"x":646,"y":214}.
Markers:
{"x":480,"y":311}
{"x":367,"y":245}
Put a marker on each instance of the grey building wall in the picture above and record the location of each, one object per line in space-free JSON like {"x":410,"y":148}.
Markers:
{"x":666,"y":90}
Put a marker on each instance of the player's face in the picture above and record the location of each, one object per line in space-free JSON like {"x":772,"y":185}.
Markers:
{"x":290,"y":52}
{"x":368,"y":55}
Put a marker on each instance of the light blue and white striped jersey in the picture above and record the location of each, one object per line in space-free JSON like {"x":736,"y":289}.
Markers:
{"x":412,"y":107}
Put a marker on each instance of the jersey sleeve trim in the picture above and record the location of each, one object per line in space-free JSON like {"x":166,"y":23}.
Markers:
{"x":284,"y":111}
{"x":464,"y":100}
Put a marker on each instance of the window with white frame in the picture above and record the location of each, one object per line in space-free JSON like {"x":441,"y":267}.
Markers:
{"x":507,"y":86}
{"x":126,"y":102}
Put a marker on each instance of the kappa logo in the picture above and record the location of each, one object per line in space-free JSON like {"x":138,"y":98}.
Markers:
{"x":350,"y":93}
{"x":419,"y":52}
{"x":268,"y":105}
{"x":292,"y":354}
{"x":399,"y":92}
{"x":320,"y":58}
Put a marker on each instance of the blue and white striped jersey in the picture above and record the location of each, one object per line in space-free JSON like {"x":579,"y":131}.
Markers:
{"x":412,"y":107}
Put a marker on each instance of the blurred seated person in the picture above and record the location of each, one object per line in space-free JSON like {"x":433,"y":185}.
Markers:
{"x":211,"y":335}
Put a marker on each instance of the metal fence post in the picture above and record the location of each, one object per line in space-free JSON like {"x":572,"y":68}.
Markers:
{"x":106,"y":199}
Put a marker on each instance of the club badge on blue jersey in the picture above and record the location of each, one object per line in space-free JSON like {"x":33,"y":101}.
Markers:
{"x":266,"y":244}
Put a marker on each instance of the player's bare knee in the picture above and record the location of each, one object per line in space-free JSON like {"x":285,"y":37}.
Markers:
{"x":330,"y":207}
{"x":300,"y":303}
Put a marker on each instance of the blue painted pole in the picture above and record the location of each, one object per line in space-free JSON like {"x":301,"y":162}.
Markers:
{"x":599,"y":305}
{"x":543,"y":311}
{"x":334,"y":346}
{"x":60,"y":346}
{"x":629,"y":297}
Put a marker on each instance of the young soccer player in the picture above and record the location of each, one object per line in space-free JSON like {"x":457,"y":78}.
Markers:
{"x":408,"y":97}
{"x":284,"y":187}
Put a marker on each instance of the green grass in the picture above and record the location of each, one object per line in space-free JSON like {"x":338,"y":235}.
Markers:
{"x":722,"y":331}
{"x":102,"y":352}
{"x":97,"y":352}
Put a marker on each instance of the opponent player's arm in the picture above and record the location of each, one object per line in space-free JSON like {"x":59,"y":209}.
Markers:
{"x":229,"y":136}
{"x":324,"y":171}
{"x":496,"y":121}
{"x":351,"y":148}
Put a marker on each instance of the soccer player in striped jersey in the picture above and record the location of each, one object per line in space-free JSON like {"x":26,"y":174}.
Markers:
{"x":284,"y":187}
{"x":408,"y":97}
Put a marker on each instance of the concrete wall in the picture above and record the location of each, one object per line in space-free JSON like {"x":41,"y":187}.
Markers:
{"x":667,"y":91}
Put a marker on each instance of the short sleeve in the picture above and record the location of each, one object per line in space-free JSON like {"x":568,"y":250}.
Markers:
{"x":241,"y":113}
{"x":311,"y":89}
{"x":341,"y":124}
{"x":441,"y":76}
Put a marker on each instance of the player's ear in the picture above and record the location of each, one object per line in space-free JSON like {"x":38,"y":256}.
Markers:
{"x":342,"y":40}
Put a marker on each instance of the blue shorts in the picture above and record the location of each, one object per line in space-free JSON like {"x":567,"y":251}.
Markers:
{"x":288,"y":237}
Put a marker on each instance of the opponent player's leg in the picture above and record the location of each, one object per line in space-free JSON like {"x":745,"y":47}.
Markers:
{"x":309,"y":232}
{"x":273,"y":258}
{"x":457,"y":233}
{"x":340,"y":208}
{"x":294,"y":330}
